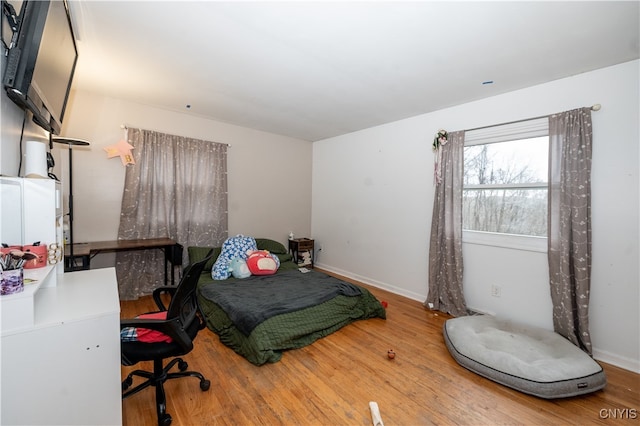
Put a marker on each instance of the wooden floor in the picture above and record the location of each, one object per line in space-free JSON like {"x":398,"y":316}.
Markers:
{"x":332,"y":381}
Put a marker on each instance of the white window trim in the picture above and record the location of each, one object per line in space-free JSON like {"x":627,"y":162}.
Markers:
{"x":523,"y":185}
{"x":511,"y":241}
{"x":503,"y":133}
{"x":508,"y":132}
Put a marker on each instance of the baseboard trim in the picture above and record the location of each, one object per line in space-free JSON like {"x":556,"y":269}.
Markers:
{"x":617,"y":360}
{"x":373,"y":283}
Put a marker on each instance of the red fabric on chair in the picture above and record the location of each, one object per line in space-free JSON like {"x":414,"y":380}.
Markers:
{"x":152,"y":336}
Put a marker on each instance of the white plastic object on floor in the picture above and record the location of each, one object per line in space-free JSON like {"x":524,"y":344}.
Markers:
{"x":375,"y":414}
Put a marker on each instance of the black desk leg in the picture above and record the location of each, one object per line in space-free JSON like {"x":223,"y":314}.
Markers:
{"x":172,"y":256}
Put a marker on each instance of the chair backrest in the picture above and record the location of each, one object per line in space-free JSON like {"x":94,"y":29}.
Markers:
{"x":184,"y":303}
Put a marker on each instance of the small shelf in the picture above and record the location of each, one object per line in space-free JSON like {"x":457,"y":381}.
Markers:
{"x":300,"y":245}
{"x":18,"y":309}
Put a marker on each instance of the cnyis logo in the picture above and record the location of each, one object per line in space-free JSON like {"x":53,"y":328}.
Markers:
{"x":619,"y":413}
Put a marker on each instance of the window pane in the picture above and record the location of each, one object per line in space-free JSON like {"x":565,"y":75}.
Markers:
{"x":510,"y":211}
{"x":520,"y":161}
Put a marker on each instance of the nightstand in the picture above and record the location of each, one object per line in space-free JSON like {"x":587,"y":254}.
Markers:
{"x":301,"y":245}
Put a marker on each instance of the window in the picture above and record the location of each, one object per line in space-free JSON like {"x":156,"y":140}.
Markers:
{"x":505,"y":185}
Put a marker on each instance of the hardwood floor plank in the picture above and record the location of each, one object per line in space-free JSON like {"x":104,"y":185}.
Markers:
{"x":333,"y":380}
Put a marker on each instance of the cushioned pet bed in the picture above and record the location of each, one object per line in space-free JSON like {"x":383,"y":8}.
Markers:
{"x":532,"y":360}
{"x":259,"y":317}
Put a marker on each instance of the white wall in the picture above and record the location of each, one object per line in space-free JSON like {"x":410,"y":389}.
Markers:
{"x":17,"y":128}
{"x":373,"y":195}
{"x":269,"y":176}
{"x":10,"y":136}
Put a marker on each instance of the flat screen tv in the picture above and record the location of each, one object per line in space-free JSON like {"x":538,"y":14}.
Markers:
{"x":41,"y":62}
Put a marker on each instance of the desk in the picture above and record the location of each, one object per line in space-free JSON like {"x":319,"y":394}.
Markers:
{"x":86,"y":251}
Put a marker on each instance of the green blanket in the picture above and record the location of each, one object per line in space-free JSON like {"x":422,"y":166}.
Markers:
{"x":291,"y":330}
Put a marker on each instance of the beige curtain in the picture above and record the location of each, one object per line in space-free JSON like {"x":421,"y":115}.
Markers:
{"x":176,"y":189}
{"x":445,"y":247}
{"x":569,"y":239}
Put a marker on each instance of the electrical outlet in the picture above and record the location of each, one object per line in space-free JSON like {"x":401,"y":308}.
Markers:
{"x":495,"y":290}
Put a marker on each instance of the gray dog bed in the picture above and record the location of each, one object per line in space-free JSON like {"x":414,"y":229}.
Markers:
{"x":532,"y":360}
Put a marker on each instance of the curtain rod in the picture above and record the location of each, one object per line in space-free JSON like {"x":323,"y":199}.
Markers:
{"x":125,"y":127}
{"x":594,"y":107}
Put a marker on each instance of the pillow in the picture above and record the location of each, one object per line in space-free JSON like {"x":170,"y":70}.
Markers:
{"x":196,"y":254}
{"x":284,"y":257}
{"x":233,"y":247}
{"x":270,"y":245}
{"x":146,"y":335}
{"x":239,"y":268}
{"x":261,"y":262}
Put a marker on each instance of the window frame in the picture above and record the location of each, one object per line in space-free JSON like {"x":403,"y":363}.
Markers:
{"x":526,"y":129}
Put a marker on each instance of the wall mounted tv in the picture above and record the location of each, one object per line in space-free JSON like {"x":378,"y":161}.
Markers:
{"x":41,"y":62}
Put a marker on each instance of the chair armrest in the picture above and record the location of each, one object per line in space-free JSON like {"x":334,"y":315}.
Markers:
{"x":157,"y":293}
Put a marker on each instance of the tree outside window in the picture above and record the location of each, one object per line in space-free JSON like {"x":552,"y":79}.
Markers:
{"x":505,"y":187}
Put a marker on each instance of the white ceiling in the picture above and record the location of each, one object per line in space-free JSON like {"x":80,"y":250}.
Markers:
{"x":313,"y":70}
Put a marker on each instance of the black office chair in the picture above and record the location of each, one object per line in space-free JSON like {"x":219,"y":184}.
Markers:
{"x":182,"y":324}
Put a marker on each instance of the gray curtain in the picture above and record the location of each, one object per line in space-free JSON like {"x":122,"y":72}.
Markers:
{"x":177,"y":189}
{"x":569,"y":238}
{"x":445,"y":246}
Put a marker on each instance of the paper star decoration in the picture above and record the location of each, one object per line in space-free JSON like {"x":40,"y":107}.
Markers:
{"x":122,"y":149}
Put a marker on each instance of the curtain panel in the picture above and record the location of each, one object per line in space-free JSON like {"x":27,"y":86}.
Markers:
{"x":176,"y":189}
{"x":569,"y":222}
{"x":445,"y":245}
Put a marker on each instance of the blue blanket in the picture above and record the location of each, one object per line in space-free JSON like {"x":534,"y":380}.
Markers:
{"x":253,"y":300}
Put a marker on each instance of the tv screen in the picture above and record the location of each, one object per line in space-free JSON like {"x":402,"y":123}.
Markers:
{"x":42,"y":61}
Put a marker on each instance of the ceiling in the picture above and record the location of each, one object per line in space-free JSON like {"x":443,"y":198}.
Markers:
{"x":313,"y":70}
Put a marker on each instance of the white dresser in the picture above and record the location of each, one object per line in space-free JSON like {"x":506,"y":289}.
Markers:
{"x":65,"y":367}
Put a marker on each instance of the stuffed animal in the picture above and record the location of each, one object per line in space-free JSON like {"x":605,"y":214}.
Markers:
{"x":239,"y":268}
{"x":261,"y":262}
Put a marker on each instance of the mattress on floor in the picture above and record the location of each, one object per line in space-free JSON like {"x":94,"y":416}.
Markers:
{"x":531,"y":360}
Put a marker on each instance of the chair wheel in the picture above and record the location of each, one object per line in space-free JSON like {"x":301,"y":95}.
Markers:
{"x":165,"y":420}
{"x":126,"y":383}
{"x":182,"y":365}
{"x":205,"y":385}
